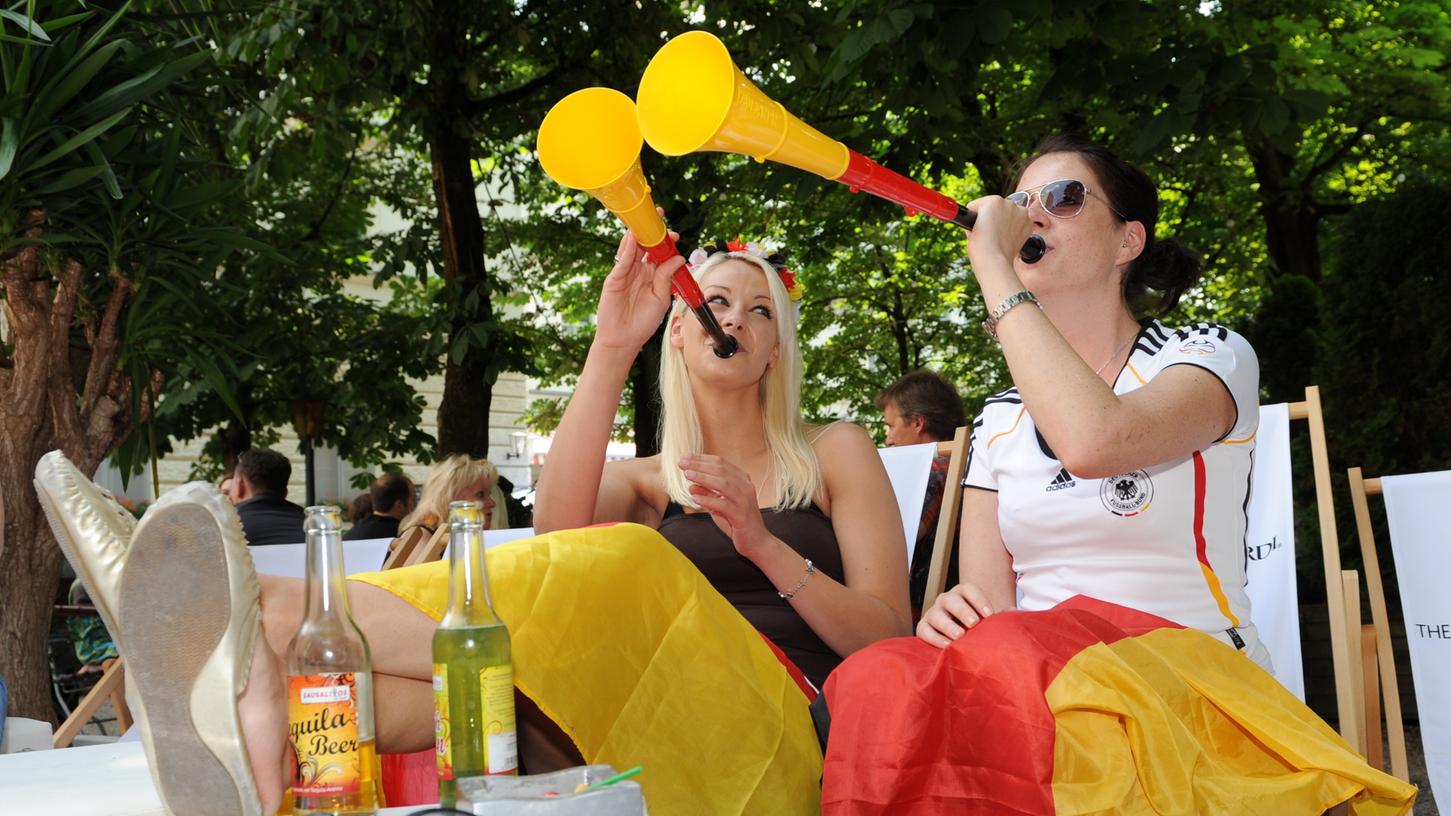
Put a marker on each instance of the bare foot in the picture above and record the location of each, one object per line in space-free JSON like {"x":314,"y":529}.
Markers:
{"x":262,"y":709}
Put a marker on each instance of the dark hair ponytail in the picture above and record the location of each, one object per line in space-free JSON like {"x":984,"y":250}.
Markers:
{"x":1165,"y":266}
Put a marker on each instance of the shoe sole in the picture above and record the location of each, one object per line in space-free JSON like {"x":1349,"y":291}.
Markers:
{"x":176,"y":582}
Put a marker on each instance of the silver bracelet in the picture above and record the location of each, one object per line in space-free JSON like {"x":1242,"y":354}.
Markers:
{"x":991,"y":324}
{"x":810,"y":568}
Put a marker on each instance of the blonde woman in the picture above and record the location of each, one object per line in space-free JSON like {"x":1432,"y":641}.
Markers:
{"x":687,"y":651}
{"x":458,"y":477}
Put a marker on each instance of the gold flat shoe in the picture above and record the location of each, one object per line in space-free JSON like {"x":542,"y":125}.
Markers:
{"x":190,"y":617}
{"x":91,"y":527}
{"x":180,"y":598}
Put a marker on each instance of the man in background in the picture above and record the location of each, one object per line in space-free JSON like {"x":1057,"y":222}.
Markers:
{"x":393,"y":498}
{"x":919,"y":408}
{"x":259,"y":489}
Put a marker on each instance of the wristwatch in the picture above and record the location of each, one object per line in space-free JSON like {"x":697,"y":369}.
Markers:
{"x":991,"y":324}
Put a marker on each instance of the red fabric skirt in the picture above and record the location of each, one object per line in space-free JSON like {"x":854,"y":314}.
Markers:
{"x":1085,"y":708}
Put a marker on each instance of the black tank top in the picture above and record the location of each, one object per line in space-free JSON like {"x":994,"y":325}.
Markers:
{"x":807,"y":531}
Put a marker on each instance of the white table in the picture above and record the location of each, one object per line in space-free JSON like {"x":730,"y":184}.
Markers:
{"x":97,"y":780}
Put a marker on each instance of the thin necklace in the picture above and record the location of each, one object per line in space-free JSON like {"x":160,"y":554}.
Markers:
{"x":1115,"y":354}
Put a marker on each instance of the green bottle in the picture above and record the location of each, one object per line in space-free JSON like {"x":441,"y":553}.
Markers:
{"x":473,"y":672}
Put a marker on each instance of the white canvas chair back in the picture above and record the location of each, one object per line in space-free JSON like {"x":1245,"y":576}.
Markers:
{"x":1269,"y":548}
{"x":1418,"y":509}
{"x":908,"y":467}
{"x":290,"y":560}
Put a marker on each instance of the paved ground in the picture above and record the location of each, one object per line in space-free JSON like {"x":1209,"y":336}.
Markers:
{"x":1425,"y":801}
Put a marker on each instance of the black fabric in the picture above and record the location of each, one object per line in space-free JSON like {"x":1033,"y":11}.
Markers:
{"x":807,"y":531}
{"x":269,"y":519}
{"x":374,"y":526}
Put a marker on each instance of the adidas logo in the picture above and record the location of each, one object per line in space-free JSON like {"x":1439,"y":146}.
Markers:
{"x":1062,"y":481}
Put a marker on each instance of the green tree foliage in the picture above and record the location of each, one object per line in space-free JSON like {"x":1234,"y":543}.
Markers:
{"x":1385,"y":344}
{"x":110,"y":222}
{"x":460,"y":86}
{"x":319,"y":190}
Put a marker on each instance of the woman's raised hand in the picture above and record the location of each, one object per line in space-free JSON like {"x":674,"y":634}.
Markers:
{"x":726,"y":492}
{"x":953,"y":613}
{"x":635,"y":296}
{"x":1001,"y":229}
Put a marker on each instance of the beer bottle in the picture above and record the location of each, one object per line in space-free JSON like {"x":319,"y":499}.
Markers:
{"x":473,"y":674}
{"x":330,"y":687}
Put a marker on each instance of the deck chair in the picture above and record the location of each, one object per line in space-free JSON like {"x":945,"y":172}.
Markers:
{"x":1271,"y":564}
{"x":908,"y":469}
{"x":1419,"y":514}
{"x":109,"y":687}
{"x":431,"y":550}
{"x":403,"y":546}
{"x":947,"y":520}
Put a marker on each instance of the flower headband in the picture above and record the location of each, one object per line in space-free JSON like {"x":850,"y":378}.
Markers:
{"x":788,"y":278}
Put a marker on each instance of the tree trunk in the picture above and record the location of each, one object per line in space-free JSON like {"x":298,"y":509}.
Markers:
{"x":29,"y":577}
{"x":645,"y":383}
{"x":47,"y":405}
{"x":463,"y":415}
{"x":1292,"y":225}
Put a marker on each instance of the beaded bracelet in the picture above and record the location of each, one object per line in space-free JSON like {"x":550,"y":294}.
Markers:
{"x":810,"y":568}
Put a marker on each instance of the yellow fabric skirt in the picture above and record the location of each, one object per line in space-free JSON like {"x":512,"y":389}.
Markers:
{"x":620,"y":640}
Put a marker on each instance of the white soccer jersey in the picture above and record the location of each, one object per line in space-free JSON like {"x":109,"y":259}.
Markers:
{"x":1168,"y":539}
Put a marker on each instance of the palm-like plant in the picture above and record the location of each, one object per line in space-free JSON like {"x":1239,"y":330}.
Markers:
{"x":110,"y":227}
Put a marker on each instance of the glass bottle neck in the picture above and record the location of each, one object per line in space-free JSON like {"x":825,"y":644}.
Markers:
{"x":468,"y":596}
{"x":327,"y":593}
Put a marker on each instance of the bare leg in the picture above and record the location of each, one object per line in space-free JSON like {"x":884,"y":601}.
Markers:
{"x":400,"y":636}
{"x":404,"y":711}
{"x":543,"y":747}
{"x":401,"y":641}
{"x":262,"y":709}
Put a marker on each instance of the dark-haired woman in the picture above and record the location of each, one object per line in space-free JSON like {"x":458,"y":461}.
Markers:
{"x":1098,"y":654}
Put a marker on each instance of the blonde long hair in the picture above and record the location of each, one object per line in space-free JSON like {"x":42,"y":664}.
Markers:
{"x":793,"y":461}
{"x":450,"y":475}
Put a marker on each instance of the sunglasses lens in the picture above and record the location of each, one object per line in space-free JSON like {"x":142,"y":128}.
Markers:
{"x":1063,"y":198}
{"x":1021,"y":199}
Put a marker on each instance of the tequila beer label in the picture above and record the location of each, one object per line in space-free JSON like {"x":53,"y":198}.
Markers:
{"x":501,"y":750}
{"x":442,"y":736}
{"x":322,"y":719}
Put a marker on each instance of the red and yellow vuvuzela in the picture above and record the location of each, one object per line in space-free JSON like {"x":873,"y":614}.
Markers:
{"x":1087,"y":707}
{"x":693,"y":97}
{"x":590,"y":141}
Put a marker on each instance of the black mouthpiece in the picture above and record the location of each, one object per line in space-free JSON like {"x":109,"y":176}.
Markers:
{"x":1032,"y":250}
{"x":725,"y":345}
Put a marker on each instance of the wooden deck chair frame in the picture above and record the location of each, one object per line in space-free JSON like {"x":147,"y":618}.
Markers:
{"x":1380,"y":669}
{"x":433,"y":550}
{"x":110,"y":686}
{"x":1342,"y":586}
{"x":402,"y":549}
{"x":947,"y":518}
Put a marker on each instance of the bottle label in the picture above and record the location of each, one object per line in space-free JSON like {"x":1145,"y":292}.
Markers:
{"x":442,"y":736}
{"x":501,"y":740}
{"x":322,"y":719}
